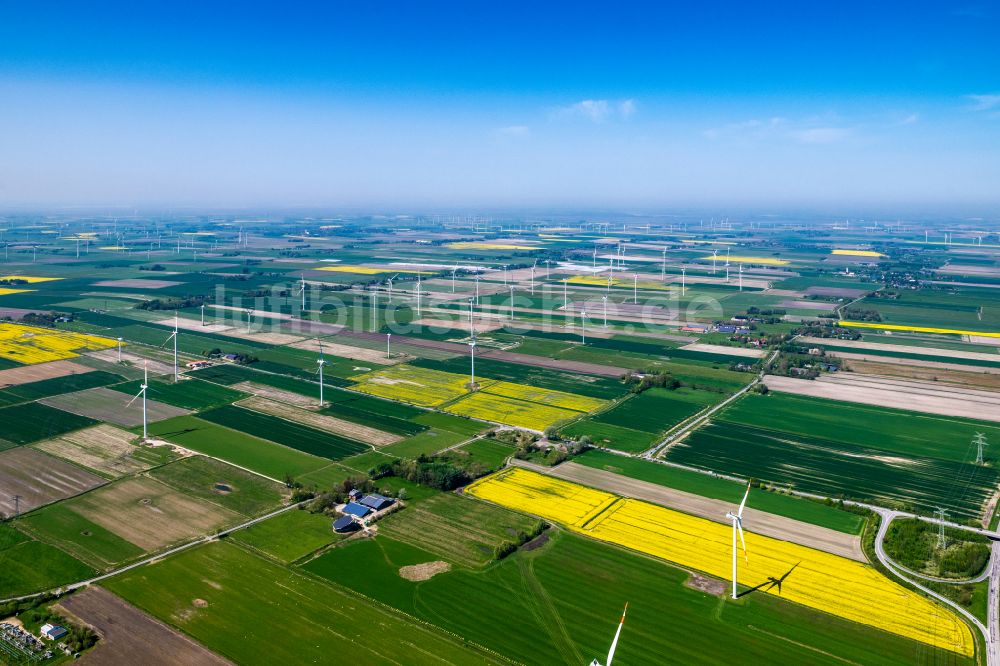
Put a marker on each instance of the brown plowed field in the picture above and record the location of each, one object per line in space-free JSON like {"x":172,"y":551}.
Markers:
{"x":129,"y":636}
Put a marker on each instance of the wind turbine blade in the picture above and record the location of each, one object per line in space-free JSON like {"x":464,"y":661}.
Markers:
{"x":739,"y":527}
{"x":743,"y":503}
{"x":129,"y":403}
{"x":614,"y":643}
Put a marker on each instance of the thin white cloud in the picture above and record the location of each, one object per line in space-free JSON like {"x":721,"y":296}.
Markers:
{"x":821,"y":134}
{"x":598,"y":110}
{"x":910,"y":119}
{"x":514,"y":131}
{"x":753,"y":128}
{"x":984,"y":102}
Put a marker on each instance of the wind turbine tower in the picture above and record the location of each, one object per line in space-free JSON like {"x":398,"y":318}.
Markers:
{"x":321,"y":362}
{"x":142,"y":392}
{"x":614,"y":643}
{"x":737,"y":519}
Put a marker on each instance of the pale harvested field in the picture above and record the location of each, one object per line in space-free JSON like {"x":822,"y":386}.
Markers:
{"x":186,"y":324}
{"x":839,"y":292}
{"x":155,"y":367}
{"x":136,"y":283}
{"x":376,"y":356}
{"x":105,"y":404}
{"x":150,"y":514}
{"x":323,"y":422}
{"x":39,"y":371}
{"x":722,"y":349}
{"x":908,"y":349}
{"x":938,"y":372}
{"x":972,"y":370}
{"x":768,"y":524}
{"x":280,"y":395}
{"x":807,"y":305}
{"x":129,"y":636}
{"x":103,"y":448}
{"x":914,"y":395}
{"x":461,"y":324}
{"x":39,"y":479}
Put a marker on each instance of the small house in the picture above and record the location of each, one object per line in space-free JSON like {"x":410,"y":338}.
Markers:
{"x":53,"y":631}
{"x":376,"y":502}
{"x":355,"y":494}
{"x":356,"y":510}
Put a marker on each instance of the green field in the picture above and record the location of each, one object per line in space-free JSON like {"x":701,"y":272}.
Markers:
{"x":705,"y":485}
{"x":559,"y":604}
{"x":836,"y":469}
{"x":892,"y":430}
{"x":33,"y":421}
{"x":427,"y":442}
{"x":189,"y":393}
{"x":84,"y":539}
{"x":307,"y":620}
{"x":611,"y":436}
{"x":288,"y":433}
{"x":456,"y":528}
{"x":217,"y":482}
{"x":288,"y":536}
{"x":29,"y":566}
{"x":57,"y":386}
{"x":488,"y":454}
{"x":238,"y":448}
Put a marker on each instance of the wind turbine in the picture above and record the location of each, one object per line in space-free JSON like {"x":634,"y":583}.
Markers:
{"x":249,"y":312}
{"x":321,"y":362}
{"x":454,"y":269}
{"x":173,"y":336}
{"x":142,"y":392}
{"x":533,"y":277}
{"x":302,"y":290}
{"x":715,"y":258}
{"x":614,"y":643}
{"x":737,"y":519}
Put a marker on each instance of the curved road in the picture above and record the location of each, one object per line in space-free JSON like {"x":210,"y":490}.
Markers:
{"x":989,"y":634}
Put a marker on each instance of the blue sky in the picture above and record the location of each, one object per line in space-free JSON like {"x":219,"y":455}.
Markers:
{"x":634,"y":106}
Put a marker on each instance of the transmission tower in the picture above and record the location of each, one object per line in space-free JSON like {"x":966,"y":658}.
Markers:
{"x":941,"y":514}
{"x":980,"y":441}
{"x":17,"y":506}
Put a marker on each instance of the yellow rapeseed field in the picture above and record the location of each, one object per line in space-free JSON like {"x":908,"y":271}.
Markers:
{"x":30,"y":279}
{"x":482,"y":245}
{"x":4,"y":291}
{"x":561,"y":399}
{"x":31,"y":344}
{"x":829,"y":583}
{"x":509,"y":403}
{"x":417,"y":386}
{"x":366,"y":270}
{"x":568,"y":503}
{"x":602,"y":281}
{"x":915,"y":329}
{"x":485,"y":405}
{"x":742,"y":259}
{"x":858,"y":253}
